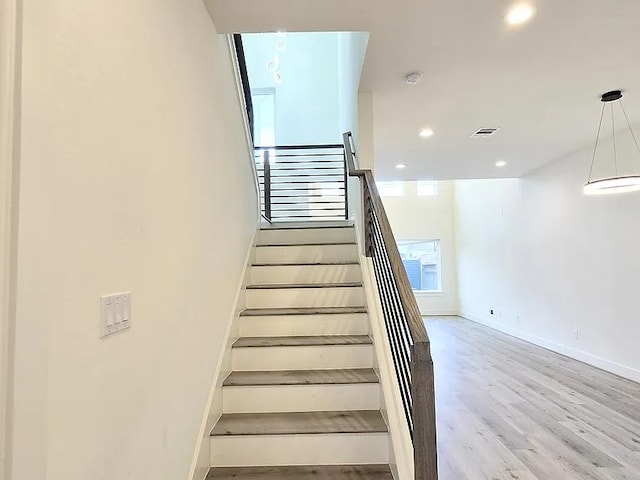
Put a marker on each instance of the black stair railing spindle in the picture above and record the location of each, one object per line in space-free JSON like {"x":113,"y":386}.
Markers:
{"x":267,"y":184}
{"x":346,"y":186}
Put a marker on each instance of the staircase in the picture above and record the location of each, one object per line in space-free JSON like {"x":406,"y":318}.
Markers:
{"x":303,"y":400}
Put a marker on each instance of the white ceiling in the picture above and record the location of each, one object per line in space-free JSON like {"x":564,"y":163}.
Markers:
{"x":540,"y":83}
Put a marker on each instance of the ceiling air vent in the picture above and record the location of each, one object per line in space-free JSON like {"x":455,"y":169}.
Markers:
{"x":485,"y":132}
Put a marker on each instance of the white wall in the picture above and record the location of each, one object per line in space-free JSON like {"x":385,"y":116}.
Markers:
{"x":550,"y":260}
{"x":135,"y":175}
{"x":307,"y":99}
{"x":352,"y":47}
{"x":365,"y":130}
{"x":316,"y":100}
{"x":414,"y":217}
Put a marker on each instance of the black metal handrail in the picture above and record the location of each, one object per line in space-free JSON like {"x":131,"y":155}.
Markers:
{"x":410,"y":346}
{"x":244,"y":78}
{"x":302,"y":182}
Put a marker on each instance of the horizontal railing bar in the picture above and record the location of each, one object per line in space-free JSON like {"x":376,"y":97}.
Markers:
{"x":277,"y":168}
{"x":303,"y":192}
{"x":305,"y":213}
{"x":314,"y":202}
{"x":304,"y":175}
{"x":325,"y":218}
{"x":295,"y":189}
{"x":302,"y":155}
{"x":317,"y":172}
{"x":285,"y":182}
{"x":331,"y":209}
{"x":339,"y":197}
{"x":286,"y":162}
{"x":301,"y":147}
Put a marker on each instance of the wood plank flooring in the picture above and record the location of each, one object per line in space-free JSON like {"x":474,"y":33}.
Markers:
{"x":510,"y":410}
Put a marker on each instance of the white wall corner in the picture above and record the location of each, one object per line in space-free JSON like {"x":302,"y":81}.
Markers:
{"x":401,"y":445}
{"x":365,"y":134}
{"x":10,"y":93}
{"x":201,"y":462}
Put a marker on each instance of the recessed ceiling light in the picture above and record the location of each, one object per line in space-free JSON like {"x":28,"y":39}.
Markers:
{"x":400,"y":166}
{"x":520,"y":14}
{"x":426,"y":133}
{"x":281,"y":45}
{"x":501,"y":163}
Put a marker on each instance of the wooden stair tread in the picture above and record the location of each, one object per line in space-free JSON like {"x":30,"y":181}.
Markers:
{"x":314,"y":472}
{"x":299,"y":341}
{"x":309,"y":264}
{"x":258,"y":312}
{"x":268,"y":286}
{"x":302,"y":377}
{"x":301,"y":226}
{"x":356,"y":421}
{"x":306,"y":244}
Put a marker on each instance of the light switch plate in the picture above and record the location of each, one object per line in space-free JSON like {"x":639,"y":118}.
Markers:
{"x":115,"y":313}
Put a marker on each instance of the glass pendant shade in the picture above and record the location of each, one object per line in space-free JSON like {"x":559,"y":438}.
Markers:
{"x":615,"y":183}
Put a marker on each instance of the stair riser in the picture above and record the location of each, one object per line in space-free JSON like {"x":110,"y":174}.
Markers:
{"x":307,"y":235}
{"x":300,"y":398}
{"x":301,"y":325}
{"x":306,"y":254}
{"x":318,"y":449}
{"x":302,"y":358}
{"x":268,"y":275}
{"x":305,"y":297}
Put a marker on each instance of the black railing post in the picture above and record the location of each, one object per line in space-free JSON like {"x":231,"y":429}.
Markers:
{"x":346,"y":187}
{"x":267,"y":185}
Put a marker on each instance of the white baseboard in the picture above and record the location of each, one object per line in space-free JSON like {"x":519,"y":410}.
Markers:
{"x":201,"y":462}
{"x":619,"y":369}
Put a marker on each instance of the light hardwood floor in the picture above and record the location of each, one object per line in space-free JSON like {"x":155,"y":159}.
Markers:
{"x":510,"y":410}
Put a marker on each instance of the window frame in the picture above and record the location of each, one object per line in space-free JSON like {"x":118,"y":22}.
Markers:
{"x":432,"y":184}
{"x":402,"y":190}
{"x":438,"y":253}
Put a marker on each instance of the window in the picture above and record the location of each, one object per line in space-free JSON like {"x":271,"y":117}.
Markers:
{"x":421,"y":260}
{"x":391,"y":189}
{"x":427,"y":187}
{"x":264,"y":122}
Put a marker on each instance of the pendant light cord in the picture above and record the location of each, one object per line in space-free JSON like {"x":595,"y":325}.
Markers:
{"x":595,"y":149}
{"x":635,"y":140}
{"x":615,"y":151}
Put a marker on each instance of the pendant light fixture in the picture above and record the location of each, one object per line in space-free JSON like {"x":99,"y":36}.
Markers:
{"x":616,"y":183}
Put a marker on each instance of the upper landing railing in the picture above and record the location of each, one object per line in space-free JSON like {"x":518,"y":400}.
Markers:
{"x":302,"y":182}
